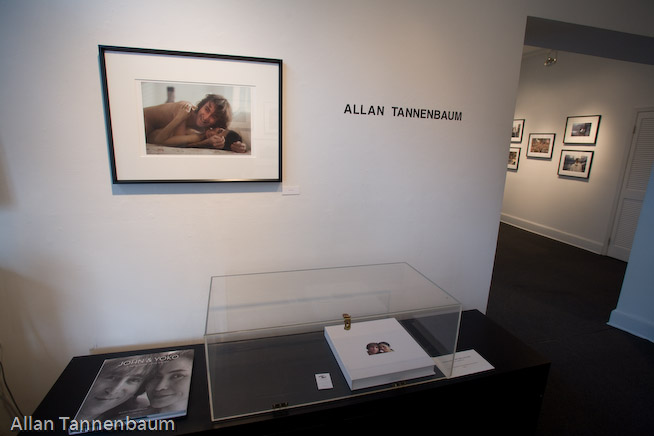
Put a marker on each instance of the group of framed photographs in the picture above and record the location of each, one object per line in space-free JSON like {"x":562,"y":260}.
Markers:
{"x":579,"y":130}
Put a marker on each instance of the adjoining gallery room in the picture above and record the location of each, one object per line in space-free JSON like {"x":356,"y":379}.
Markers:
{"x":567,"y":233}
{"x":307,"y":217}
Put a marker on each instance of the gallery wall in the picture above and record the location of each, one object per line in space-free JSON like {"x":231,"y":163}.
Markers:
{"x":87,"y":266}
{"x":576,"y":211}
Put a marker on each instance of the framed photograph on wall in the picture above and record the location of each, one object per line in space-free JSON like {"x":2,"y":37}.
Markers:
{"x":582,"y":130}
{"x":575,"y":163}
{"x":516,"y":132}
{"x":514,"y":158}
{"x":540,"y":145}
{"x":192,"y":117}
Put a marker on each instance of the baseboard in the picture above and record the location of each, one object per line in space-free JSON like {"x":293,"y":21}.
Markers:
{"x":636,"y":325}
{"x":557,"y":235}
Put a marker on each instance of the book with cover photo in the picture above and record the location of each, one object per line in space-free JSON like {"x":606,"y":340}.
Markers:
{"x":138,"y":388}
{"x":373,"y":353}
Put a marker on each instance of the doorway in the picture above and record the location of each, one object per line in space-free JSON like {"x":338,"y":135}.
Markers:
{"x":603,"y":43}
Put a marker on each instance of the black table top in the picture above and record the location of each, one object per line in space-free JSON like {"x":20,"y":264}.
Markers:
{"x":501,"y":349}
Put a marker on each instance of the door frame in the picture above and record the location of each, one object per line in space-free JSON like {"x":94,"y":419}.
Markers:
{"x":626,"y":161}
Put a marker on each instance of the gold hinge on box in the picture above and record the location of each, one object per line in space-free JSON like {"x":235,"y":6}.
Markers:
{"x":348,"y":321}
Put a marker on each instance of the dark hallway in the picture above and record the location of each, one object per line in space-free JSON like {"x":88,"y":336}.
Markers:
{"x":558,"y":298}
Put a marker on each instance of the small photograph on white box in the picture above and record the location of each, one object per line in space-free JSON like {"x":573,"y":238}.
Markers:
{"x":376,"y":348}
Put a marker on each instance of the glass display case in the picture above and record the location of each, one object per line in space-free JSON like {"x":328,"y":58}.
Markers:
{"x":273,"y":340}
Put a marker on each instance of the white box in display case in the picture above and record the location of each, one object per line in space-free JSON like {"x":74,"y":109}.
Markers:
{"x":373,"y":353}
{"x":266,"y":335}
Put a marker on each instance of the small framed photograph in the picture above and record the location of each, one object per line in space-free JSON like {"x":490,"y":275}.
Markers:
{"x":582,"y":130}
{"x":514,"y":158}
{"x":540,"y":145}
{"x":575,"y":163}
{"x":516,"y":132}
{"x":191,"y":117}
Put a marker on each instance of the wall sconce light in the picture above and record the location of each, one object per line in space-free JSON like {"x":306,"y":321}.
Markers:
{"x":551,"y":58}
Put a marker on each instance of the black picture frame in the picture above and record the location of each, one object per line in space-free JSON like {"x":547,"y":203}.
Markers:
{"x":517,"y":131}
{"x":582,"y":130}
{"x":138,"y":80}
{"x":575,"y":163}
{"x":540,"y":145}
{"x":514,"y":158}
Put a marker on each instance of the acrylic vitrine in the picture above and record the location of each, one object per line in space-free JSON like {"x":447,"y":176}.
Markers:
{"x":284,"y":340}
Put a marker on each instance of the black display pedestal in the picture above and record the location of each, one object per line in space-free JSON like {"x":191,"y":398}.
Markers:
{"x":506,"y":399}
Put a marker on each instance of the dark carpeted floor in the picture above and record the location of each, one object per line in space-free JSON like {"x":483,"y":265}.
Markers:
{"x":558,"y":298}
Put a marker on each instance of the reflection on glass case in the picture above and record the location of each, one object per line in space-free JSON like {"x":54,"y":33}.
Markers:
{"x":296,"y":338}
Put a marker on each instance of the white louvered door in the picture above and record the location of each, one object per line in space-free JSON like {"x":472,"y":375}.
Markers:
{"x":639,"y":165}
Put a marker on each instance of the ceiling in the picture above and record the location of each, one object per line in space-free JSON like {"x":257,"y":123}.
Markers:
{"x":529,"y":49}
{"x":557,"y":35}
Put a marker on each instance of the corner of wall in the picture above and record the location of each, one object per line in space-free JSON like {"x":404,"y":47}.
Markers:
{"x":632,"y":324}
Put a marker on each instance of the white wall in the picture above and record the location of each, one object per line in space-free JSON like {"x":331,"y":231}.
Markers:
{"x":635,"y":310}
{"x":578,"y":212}
{"x":86,"y":265}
